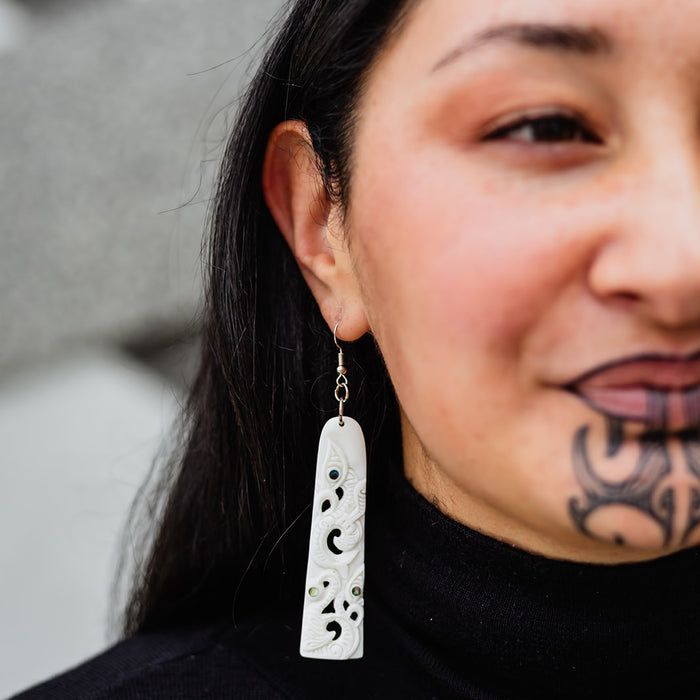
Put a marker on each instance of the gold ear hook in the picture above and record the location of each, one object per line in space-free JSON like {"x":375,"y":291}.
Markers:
{"x":341,"y":355}
{"x":342,"y":394}
{"x":335,"y":337}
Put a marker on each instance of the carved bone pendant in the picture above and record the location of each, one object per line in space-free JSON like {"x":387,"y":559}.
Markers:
{"x":335,"y":575}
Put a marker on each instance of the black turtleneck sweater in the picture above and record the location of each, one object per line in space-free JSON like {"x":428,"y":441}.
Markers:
{"x":449,"y":613}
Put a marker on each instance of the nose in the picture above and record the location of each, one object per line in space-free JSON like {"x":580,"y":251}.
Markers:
{"x":650,"y":255}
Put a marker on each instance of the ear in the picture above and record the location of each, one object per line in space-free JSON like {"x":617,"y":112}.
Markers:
{"x":312,"y":226}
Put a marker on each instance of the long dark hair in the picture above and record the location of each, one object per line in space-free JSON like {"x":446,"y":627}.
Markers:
{"x":230,"y":528}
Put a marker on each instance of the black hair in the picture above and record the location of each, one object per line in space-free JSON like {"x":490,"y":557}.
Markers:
{"x":232,"y":525}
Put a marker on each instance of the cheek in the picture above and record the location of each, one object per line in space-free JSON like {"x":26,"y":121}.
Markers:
{"x":451,"y":262}
{"x":462,"y":277}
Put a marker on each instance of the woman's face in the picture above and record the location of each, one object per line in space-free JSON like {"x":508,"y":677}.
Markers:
{"x":524,"y":224}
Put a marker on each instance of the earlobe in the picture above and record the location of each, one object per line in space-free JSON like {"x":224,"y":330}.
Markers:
{"x":296,"y":196}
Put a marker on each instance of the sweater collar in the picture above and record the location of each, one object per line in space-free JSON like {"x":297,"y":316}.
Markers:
{"x":469,"y":606}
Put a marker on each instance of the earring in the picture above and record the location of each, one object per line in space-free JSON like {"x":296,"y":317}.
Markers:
{"x":334,"y":599}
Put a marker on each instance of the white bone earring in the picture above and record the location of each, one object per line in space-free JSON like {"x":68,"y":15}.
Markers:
{"x":332,"y":624}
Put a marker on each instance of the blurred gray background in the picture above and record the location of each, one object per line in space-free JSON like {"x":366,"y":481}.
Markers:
{"x":112,"y":115}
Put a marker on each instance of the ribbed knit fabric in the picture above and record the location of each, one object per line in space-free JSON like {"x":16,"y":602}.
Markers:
{"x":449,"y":614}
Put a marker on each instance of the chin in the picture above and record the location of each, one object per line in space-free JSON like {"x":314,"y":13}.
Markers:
{"x":631,"y":531}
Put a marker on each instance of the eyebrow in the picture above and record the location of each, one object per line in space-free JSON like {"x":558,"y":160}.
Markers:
{"x":549,"y":37}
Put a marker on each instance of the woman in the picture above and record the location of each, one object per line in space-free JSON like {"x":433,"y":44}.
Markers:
{"x":496,"y":206}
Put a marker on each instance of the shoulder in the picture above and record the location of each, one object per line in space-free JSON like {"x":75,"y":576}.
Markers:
{"x":186,"y":663}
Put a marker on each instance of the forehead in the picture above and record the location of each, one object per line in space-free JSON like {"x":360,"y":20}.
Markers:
{"x":437,"y":27}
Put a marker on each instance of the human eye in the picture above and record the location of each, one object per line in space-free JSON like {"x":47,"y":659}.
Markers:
{"x":552,"y":128}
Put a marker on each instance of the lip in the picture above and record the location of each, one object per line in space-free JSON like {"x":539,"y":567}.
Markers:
{"x":660,"y":391}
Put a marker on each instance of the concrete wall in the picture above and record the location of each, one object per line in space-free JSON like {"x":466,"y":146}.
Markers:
{"x":108,"y":110}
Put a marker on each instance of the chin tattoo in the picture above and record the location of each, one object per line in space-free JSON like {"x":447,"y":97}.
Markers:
{"x":660,"y":488}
